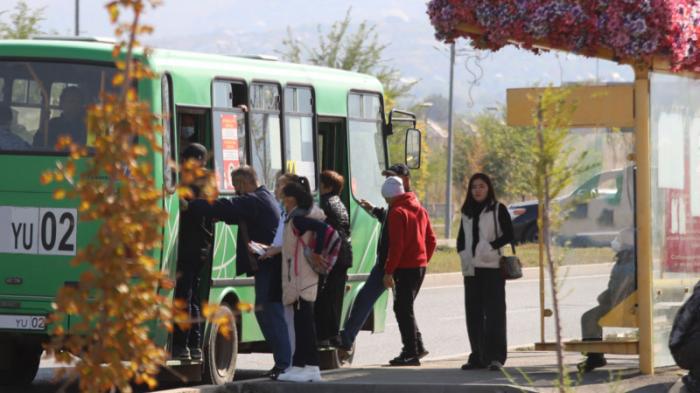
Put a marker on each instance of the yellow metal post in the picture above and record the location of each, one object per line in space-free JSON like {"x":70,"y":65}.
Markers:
{"x":643,"y":214}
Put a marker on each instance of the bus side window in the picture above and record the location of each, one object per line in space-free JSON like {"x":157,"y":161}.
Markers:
{"x":367,"y":153}
{"x":299,"y":132}
{"x":229,"y":108}
{"x":265,"y":132}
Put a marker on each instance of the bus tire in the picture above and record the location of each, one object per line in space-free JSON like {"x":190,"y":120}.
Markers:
{"x":25,"y":358}
{"x":220,"y":350}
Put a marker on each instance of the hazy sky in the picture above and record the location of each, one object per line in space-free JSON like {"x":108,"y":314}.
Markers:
{"x":176,"y":17}
{"x":247,"y":27}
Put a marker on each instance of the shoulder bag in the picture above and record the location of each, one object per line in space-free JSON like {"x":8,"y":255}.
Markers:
{"x":510,"y":266}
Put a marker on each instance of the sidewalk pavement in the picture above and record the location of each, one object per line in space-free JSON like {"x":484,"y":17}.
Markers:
{"x":525,"y":371}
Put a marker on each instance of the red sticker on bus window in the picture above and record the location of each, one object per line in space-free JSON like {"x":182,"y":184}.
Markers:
{"x":229,"y":148}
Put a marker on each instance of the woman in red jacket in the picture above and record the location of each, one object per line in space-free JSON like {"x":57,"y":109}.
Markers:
{"x":411,"y":245}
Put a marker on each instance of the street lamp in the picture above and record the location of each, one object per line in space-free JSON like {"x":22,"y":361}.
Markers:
{"x":77,"y":18}
{"x":448,"y":186}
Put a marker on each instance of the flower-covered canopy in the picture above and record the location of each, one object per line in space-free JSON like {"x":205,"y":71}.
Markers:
{"x":631,"y":30}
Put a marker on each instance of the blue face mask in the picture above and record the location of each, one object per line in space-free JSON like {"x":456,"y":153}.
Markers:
{"x":187,"y":131}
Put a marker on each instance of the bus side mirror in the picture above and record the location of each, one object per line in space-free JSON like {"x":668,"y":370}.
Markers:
{"x":413,"y":148}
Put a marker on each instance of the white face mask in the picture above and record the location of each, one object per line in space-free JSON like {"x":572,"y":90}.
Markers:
{"x":616,"y":245}
{"x":187,"y":131}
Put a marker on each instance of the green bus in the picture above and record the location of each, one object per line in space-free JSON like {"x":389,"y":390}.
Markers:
{"x":253,"y":111}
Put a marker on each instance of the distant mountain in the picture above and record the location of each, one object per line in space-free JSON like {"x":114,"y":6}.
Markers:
{"x":481,"y":78}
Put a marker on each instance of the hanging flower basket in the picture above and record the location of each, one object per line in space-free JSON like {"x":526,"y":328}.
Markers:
{"x":628,"y":30}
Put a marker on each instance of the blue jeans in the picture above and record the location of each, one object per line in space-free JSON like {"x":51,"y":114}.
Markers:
{"x":362,"y":307}
{"x":270,"y":312}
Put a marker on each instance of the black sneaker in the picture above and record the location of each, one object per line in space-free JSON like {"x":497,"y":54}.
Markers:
{"x":344,"y":354}
{"x":405,"y":360}
{"x":196,"y":353}
{"x":593,"y":361}
{"x":472,"y":366}
{"x":495,"y":366}
{"x":274,"y":373}
{"x":181,"y":353}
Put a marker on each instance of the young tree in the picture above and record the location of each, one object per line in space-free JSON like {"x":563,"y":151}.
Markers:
{"x":24,"y":22}
{"x":119,"y":299}
{"x":359,"y":50}
{"x":507,"y":155}
{"x":554,"y":172}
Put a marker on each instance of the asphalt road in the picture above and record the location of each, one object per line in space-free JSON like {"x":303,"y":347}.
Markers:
{"x":440,"y":316}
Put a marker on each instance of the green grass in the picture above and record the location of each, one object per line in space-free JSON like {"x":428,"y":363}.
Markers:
{"x":446,"y":260}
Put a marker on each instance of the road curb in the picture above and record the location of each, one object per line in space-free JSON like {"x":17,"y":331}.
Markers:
{"x":323,"y":387}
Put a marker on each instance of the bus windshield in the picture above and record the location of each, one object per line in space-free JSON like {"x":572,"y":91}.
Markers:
{"x":41,"y":101}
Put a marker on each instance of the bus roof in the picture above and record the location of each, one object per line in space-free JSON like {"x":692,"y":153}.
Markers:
{"x":328,"y":83}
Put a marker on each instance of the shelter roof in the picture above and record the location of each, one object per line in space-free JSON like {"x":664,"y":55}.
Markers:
{"x":626,"y":31}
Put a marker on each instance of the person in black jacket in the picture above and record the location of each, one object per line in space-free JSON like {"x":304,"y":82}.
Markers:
{"x":684,"y":341}
{"x":485,"y":228}
{"x":329,"y":303}
{"x":194,"y":250}
{"x":256,"y":213}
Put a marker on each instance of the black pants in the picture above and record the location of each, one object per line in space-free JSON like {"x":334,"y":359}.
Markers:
{"x":329,"y":303}
{"x":590,"y":327}
{"x":305,"y":351}
{"x":407,"y":284}
{"x":187,"y":289}
{"x":485,"y":306}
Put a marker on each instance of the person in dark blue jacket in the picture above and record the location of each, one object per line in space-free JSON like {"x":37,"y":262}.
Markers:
{"x":256,"y":213}
{"x":684,"y":341}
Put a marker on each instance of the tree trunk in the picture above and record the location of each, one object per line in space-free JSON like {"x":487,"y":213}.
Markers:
{"x":545,"y":169}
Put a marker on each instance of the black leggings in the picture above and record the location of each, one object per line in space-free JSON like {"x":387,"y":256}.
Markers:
{"x":329,"y":303}
{"x":485,"y":306}
{"x":305,"y":352}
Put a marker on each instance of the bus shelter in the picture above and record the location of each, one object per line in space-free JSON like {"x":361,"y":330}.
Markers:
{"x":660,"y":111}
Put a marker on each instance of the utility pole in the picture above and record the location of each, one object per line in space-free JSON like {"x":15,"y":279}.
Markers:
{"x":77,"y":18}
{"x":448,"y":186}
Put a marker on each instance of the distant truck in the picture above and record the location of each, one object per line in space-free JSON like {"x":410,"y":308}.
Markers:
{"x":596,"y":211}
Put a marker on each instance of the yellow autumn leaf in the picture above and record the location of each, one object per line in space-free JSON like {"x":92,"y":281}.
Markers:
{"x":244,"y":307}
{"x":208,"y":309}
{"x":59,"y":194}
{"x":46,"y":177}
{"x":118,"y":79}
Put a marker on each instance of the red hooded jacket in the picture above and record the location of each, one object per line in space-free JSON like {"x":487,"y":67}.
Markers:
{"x":411,"y":238}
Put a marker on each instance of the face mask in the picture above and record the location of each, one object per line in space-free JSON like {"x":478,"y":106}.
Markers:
{"x":187,"y":131}
{"x":615,"y":245}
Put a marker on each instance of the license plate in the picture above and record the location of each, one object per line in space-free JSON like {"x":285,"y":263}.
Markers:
{"x":23,"y":322}
{"x":38,"y":230}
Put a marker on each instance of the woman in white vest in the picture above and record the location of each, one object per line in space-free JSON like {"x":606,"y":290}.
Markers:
{"x":299,"y":281}
{"x":485,"y":228}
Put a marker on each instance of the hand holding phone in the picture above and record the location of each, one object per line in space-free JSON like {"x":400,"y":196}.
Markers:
{"x":256,"y":248}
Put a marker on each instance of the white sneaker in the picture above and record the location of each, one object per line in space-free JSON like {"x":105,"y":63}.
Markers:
{"x":299,"y":374}
{"x":313,"y":374}
{"x":291,"y":374}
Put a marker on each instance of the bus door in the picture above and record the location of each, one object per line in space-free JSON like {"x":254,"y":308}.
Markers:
{"x":332,"y":149}
{"x":193,"y":125}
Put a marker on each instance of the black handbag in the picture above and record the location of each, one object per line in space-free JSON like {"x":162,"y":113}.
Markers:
{"x":510,"y":266}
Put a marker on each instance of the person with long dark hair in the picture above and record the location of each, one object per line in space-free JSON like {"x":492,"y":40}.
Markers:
{"x":299,"y":280}
{"x":485,"y":228}
{"x":329,"y":305}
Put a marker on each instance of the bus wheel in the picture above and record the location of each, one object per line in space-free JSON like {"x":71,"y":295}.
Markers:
{"x":221,"y":348}
{"x":20,"y":362}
